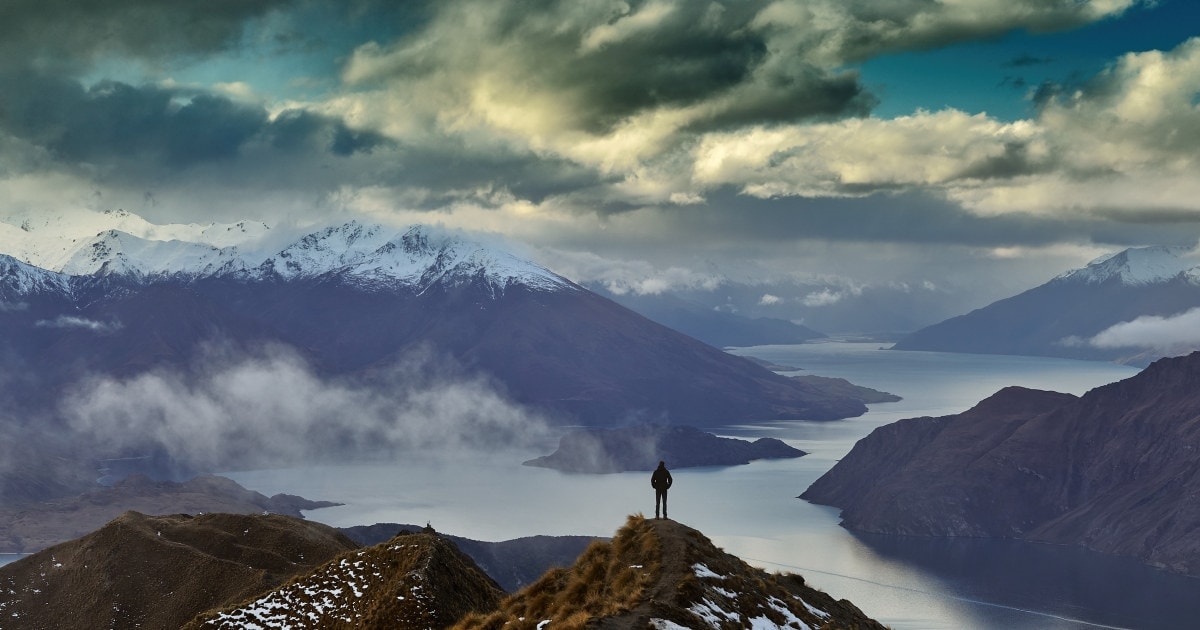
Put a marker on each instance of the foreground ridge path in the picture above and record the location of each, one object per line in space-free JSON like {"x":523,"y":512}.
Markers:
{"x":664,"y":575}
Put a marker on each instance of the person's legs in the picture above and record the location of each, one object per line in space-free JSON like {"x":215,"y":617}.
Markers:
{"x":664,"y":493}
{"x":660,"y":496}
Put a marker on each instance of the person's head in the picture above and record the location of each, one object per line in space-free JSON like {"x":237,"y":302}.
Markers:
{"x":662,"y":464}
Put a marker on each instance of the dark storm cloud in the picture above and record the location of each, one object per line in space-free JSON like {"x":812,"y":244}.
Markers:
{"x":116,"y":122}
{"x":1013,"y":162}
{"x":73,"y":32}
{"x":873,"y":27}
{"x":606,"y":65}
{"x":297,"y":130}
{"x":911,"y":218}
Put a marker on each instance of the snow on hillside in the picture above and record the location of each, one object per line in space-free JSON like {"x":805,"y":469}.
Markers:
{"x":114,"y":252}
{"x":54,"y":241}
{"x":369,"y":255}
{"x":1138,"y":266}
{"x":18,"y":278}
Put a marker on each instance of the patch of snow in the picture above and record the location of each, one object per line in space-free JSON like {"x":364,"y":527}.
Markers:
{"x":711,"y":613}
{"x":702,"y":571}
{"x":663,"y":624}
{"x":812,"y":609}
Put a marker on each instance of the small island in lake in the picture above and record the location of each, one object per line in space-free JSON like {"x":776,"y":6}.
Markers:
{"x":642,"y":447}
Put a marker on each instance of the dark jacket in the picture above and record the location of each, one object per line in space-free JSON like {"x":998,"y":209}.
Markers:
{"x":661,"y":479}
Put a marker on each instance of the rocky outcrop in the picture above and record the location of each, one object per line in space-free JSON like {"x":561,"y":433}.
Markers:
{"x":270,"y":571}
{"x":662,"y":574}
{"x":413,"y":581}
{"x":642,"y":447}
{"x":1113,"y":470}
{"x":512,"y":563}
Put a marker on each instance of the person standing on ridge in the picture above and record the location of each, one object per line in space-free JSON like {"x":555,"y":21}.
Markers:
{"x":661,"y":481}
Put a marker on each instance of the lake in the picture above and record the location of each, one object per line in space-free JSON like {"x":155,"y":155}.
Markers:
{"x":751,"y":511}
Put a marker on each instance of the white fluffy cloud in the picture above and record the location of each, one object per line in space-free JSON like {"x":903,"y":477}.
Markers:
{"x":1128,"y":139}
{"x":1173,"y":335}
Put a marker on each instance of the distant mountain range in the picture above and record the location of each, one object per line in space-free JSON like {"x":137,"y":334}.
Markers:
{"x":352,"y":301}
{"x":1113,"y":470}
{"x":353,"y":298}
{"x":1133,"y":306}
{"x":243,"y":571}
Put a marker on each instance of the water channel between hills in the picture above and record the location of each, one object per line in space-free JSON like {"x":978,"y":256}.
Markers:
{"x":751,"y":511}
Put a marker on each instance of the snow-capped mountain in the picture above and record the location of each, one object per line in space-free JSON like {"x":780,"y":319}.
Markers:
{"x":1133,"y":306}
{"x":53,"y":241}
{"x":18,"y":280}
{"x":371,"y":256}
{"x":1138,"y":266}
{"x":356,"y":298}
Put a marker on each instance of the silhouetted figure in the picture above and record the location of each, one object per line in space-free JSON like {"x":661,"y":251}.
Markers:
{"x":661,"y":481}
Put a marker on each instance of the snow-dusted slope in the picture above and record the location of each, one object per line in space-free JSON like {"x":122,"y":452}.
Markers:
{"x":19,"y":279}
{"x":113,"y":252}
{"x":370,"y":256}
{"x":373,"y":256}
{"x":53,"y":241}
{"x":1138,"y":266}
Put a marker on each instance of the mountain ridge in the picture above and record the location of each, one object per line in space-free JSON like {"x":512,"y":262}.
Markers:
{"x":1065,"y":316}
{"x":239,"y":571}
{"x":1112,"y":470}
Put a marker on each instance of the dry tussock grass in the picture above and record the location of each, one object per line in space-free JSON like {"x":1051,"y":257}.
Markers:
{"x":609,"y":578}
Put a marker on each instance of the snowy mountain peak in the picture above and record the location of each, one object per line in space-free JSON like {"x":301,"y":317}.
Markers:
{"x":371,"y":256}
{"x":19,"y":279}
{"x":1137,"y":266}
{"x":113,"y":252}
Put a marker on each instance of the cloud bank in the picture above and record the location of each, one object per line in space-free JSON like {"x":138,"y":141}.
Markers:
{"x":271,"y":409}
{"x":1176,"y":334}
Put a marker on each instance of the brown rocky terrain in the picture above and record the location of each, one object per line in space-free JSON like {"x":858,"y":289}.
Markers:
{"x":1114,"y":470}
{"x":661,"y":573}
{"x":415,"y":580}
{"x":159,"y":571}
{"x":35,"y":525}
{"x":272,"y":571}
{"x":512,"y":563}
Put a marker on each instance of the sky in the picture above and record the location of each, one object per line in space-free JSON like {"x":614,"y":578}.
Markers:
{"x":958,"y":151}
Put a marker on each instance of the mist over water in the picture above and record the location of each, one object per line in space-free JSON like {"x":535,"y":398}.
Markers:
{"x":270,"y":407}
{"x":751,"y":511}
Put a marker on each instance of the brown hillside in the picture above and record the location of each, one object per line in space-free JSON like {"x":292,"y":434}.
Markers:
{"x":416,"y":581}
{"x":656,"y":573}
{"x":160,"y":571}
{"x":1113,"y":470}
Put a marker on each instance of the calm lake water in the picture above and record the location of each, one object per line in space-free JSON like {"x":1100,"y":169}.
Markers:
{"x":751,"y":511}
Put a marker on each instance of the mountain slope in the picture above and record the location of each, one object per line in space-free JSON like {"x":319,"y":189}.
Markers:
{"x":662,"y":574}
{"x":414,"y":580}
{"x":355,"y":298}
{"x":159,"y":571}
{"x":1113,"y":470}
{"x":1061,"y":317}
